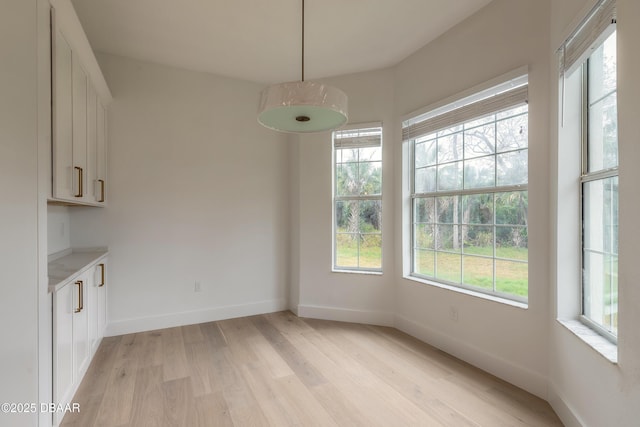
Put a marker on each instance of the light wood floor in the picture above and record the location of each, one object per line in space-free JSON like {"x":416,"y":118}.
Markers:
{"x":281,"y":370}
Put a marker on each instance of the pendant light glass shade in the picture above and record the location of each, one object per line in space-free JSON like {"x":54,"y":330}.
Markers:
{"x":301,"y":107}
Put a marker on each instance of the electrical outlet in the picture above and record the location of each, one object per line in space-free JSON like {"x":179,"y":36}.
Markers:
{"x":197,"y":287}
{"x":453,"y":313}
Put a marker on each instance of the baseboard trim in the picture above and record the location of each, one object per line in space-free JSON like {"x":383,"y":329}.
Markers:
{"x":524,"y":378}
{"x":564,"y":411}
{"x":150,"y":323}
{"x":346,"y":315}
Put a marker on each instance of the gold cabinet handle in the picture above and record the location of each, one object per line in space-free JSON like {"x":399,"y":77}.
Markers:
{"x":101,"y":181}
{"x":101,"y":275}
{"x":80,"y":179}
{"x":80,"y":297}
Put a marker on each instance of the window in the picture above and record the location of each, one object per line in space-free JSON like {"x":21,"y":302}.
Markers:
{"x":357,"y":196}
{"x":599,"y":189}
{"x":469,"y":199}
{"x":589,"y":77}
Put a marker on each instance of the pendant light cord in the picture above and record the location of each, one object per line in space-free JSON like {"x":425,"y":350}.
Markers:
{"x":302,"y":40}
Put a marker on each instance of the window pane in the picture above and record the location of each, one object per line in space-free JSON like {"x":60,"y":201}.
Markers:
{"x":512,"y":243}
{"x":448,"y":238}
{"x":603,"y":134}
{"x":425,"y":180}
{"x":513,"y":133}
{"x":370,"y":251}
{"x":477,"y":240}
{"x":480,"y":121}
{"x":450,"y":176}
{"x":512,"y":168}
{"x":478,"y":272}
{"x":600,"y":215}
{"x":477,"y":209}
{"x":425,"y":263}
{"x":449,"y":131}
{"x":512,"y":278}
{"x":448,"y":267}
{"x":343,"y":211}
{"x":348,"y":216}
{"x":479,"y":173}
{"x":479,"y":141}
{"x":449,"y":209}
{"x":511,"y":208}
{"x":346,"y":250}
{"x":345,"y":155}
{"x":370,"y":178}
{"x":601,"y":289}
{"x":347,"y":183}
{"x":450,"y":148}
{"x":425,"y":210}
{"x":424,"y":236}
{"x":371,"y":154}
{"x":370,"y":216}
{"x":425,"y":154}
{"x":602,"y":69}
{"x":512,"y":112}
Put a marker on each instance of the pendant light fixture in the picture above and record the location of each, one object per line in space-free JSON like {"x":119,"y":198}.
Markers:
{"x":302,"y":107}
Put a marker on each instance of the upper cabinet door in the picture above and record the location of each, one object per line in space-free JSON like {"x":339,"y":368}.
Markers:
{"x":63,"y":172}
{"x":92,"y":144}
{"x":79,"y":108}
{"x":101,"y":155}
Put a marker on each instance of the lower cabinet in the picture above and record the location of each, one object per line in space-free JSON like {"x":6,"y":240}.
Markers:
{"x":79,"y":320}
{"x":98,"y":304}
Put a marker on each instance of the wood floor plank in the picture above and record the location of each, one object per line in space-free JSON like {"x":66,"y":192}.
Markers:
{"x":174,"y":358}
{"x":148,"y":401}
{"x":117,"y":401}
{"x":200,"y":361}
{"x":280,"y":370}
{"x":298,"y":364}
{"x":178,"y":403}
{"x":192,"y":334}
{"x":212,"y":411}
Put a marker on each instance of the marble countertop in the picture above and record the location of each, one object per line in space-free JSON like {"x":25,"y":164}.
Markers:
{"x":71,"y":263}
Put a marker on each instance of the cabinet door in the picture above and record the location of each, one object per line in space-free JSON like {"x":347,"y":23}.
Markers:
{"x":62,"y":148}
{"x":79,"y":127}
{"x":101,"y":154}
{"x":63,"y":307}
{"x":92,"y":144}
{"x":92,"y":310}
{"x":102,"y":297}
{"x":80,"y":327}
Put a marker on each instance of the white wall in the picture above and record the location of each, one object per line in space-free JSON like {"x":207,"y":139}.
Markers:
{"x":198,"y":191}
{"x":19,"y":251}
{"x":585,"y":388}
{"x":58,"y":229}
{"x":508,"y":341}
{"x":322,"y":293}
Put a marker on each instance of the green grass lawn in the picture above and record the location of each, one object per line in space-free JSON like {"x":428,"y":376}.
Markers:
{"x":467,"y":268}
{"x":511,"y":277}
{"x":370,"y":252}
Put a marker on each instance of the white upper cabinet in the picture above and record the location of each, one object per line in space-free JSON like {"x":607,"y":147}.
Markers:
{"x":62,"y":89}
{"x":79,"y":97}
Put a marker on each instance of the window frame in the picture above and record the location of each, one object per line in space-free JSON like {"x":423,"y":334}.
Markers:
{"x":453,"y":103}
{"x":587,"y":176}
{"x":359,"y":198}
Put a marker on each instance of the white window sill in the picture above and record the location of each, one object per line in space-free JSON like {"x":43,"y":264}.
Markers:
{"x":470,"y":292}
{"x":374,"y":273}
{"x":606,"y":348}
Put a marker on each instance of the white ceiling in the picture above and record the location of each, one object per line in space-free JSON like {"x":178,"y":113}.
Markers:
{"x":259,"y":40}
